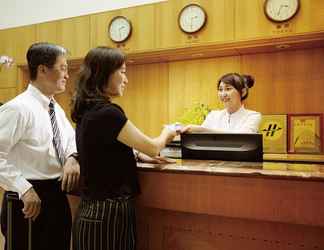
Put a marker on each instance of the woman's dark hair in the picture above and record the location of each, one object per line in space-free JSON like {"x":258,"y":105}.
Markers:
{"x":239,"y":82}
{"x":99,"y":64}
{"x":42,"y":54}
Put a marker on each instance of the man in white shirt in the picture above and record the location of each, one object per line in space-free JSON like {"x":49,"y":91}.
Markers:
{"x":37,"y":154}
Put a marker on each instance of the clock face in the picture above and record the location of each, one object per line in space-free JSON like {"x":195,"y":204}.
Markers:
{"x":192,"y":18}
{"x":281,"y":10}
{"x":120,"y":29}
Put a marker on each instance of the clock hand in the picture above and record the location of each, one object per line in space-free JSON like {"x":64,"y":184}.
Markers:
{"x":281,"y":8}
{"x":191,"y":19}
{"x":120,"y":31}
{"x":278,"y":13}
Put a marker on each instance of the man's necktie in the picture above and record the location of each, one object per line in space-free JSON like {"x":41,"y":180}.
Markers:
{"x":56,"y":134}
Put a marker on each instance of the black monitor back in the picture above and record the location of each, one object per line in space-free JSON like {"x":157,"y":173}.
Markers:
{"x":230,"y":147}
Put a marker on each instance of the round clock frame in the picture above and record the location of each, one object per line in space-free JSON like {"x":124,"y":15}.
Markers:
{"x":183,"y":12}
{"x":289,"y":16}
{"x":125,"y":36}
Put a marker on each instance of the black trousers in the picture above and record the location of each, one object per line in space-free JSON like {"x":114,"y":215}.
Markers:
{"x":105,"y":225}
{"x":52,"y":228}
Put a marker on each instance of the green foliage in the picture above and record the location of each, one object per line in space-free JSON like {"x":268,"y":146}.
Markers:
{"x":195,"y":114}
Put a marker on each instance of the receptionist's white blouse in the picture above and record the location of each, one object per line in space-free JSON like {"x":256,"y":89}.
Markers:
{"x":241,"y":121}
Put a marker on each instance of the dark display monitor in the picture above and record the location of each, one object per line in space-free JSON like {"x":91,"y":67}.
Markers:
{"x":229,"y":147}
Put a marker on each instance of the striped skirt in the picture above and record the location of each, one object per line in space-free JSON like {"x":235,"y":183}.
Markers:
{"x":105,"y":225}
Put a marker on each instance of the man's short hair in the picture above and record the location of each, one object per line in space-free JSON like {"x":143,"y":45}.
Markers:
{"x":42,"y":53}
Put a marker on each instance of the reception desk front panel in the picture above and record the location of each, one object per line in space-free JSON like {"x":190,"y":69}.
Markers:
{"x":231,"y":205}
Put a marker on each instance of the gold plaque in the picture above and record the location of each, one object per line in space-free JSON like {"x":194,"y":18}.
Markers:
{"x":274,"y":131}
{"x":305,"y":133}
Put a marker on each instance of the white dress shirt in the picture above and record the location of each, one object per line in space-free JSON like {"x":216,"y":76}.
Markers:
{"x":26,"y":146}
{"x":241,"y":121}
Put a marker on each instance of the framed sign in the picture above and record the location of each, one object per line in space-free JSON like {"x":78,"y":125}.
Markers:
{"x":274,"y":131}
{"x":305,"y":133}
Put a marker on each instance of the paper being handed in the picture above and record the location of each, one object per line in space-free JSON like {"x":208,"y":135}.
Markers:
{"x":174,"y":127}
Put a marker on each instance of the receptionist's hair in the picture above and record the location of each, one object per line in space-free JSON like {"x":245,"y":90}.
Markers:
{"x":239,"y":82}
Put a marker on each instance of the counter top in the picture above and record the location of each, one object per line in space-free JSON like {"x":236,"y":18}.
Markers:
{"x":278,"y":170}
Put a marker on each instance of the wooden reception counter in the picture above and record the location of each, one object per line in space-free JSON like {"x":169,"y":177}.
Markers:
{"x":216,"y":205}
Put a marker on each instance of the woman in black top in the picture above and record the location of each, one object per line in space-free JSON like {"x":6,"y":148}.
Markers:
{"x":105,"y":141}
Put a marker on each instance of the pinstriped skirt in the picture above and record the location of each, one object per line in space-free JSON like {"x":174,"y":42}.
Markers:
{"x":105,"y":225}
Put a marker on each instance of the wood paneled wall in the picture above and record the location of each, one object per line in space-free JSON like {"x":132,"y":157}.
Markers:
{"x":143,"y":33}
{"x":158,"y":93}
{"x":196,"y":81}
{"x":250,"y":21}
{"x":156,"y":26}
{"x":146,"y":99}
{"x":72,"y":33}
{"x":285,"y":82}
{"x":219,"y":27}
{"x":7,"y":93}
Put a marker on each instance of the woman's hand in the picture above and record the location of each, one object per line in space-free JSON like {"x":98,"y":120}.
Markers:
{"x":169,"y":134}
{"x":192,"y":128}
{"x":155,"y":160}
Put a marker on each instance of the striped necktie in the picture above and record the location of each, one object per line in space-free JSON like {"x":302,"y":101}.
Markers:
{"x":56,"y":134}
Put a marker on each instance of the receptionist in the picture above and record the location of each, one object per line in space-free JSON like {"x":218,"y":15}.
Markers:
{"x":233,"y":89}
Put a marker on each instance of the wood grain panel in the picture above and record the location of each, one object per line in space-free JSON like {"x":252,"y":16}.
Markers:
{"x":286,"y":82}
{"x":7,"y":93}
{"x":48,"y":32}
{"x":146,"y":97}
{"x":22,"y":79}
{"x":175,"y":230}
{"x":250,"y":21}
{"x":99,"y":28}
{"x":285,"y":201}
{"x":219,"y":27}
{"x":7,"y":47}
{"x":75,"y":35}
{"x":196,"y":81}
{"x":198,"y":211}
{"x":15,"y":43}
{"x":25,"y":37}
{"x":142,"y":37}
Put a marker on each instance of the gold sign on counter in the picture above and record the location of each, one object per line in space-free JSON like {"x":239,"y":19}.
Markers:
{"x":274,"y":130}
{"x":305,"y":133}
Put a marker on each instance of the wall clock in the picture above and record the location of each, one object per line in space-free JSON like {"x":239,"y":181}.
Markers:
{"x":281,"y":10}
{"x":192,"y":18}
{"x":119,"y":29}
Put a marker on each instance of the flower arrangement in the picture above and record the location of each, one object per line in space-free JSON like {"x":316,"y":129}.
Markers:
{"x":196,"y":114}
{"x":6,"y":61}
